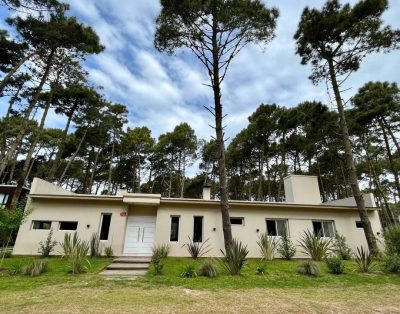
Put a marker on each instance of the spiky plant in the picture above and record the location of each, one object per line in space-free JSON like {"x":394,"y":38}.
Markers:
{"x":268,"y":246}
{"x":208,"y":269}
{"x":197,"y":249}
{"x":235,"y":257}
{"x":68,"y":244}
{"x":315,"y":246}
{"x":95,"y":245}
{"x":364,"y":260}
{"x":35,"y":267}
{"x":45,"y":248}
{"x":309,"y":268}
{"x":160,"y":253}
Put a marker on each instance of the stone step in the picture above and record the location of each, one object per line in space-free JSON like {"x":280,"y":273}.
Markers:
{"x":129,"y":259}
{"x":123,"y":273}
{"x":116,"y":265}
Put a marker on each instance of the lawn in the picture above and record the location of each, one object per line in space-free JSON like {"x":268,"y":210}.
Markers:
{"x":281,"y":289}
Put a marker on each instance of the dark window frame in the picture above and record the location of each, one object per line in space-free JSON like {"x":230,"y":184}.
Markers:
{"x":198,"y":238}
{"x":359,"y":224}
{"x":67,"y":222}
{"x":104,"y":234}
{"x":41,"y":224}
{"x":4,"y":200}
{"x":275,"y":228}
{"x":178,"y":228}
{"x":324,"y":234}
{"x":237,"y":218}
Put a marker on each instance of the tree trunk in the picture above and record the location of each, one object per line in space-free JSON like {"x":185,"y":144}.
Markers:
{"x":32,"y":103}
{"x":261,"y":175}
{"x":351,"y":169}
{"x":93,"y":173}
{"x":223,"y":187}
{"x":183,"y":176}
{"x":110,"y":168}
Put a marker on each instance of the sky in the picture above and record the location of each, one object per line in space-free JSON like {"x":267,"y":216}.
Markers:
{"x":162,"y":91}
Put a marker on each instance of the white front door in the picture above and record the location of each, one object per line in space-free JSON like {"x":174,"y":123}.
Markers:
{"x":139,"y":238}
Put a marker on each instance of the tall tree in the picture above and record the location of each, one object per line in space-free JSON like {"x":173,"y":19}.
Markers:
{"x":215,"y":31}
{"x":335,"y":40}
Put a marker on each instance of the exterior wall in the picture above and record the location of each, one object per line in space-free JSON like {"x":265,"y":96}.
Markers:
{"x":86,"y":213}
{"x":299,"y":220}
{"x":301,"y":189}
{"x":350,"y":201}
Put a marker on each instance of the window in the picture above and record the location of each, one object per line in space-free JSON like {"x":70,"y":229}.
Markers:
{"x":174,"y":235}
{"x":3,"y":200}
{"x":105,"y":226}
{"x":276,"y":227}
{"x":324,"y":228}
{"x":41,"y":225}
{"x":68,"y":225}
{"x":198,"y":229}
{"x":237,"y":221}
{"x":359,"y":224}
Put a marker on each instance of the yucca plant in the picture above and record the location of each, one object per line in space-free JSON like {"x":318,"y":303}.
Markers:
{"x":95,"y":245}
{"x":268,"y":246}
{"x":261,"y":268}
{"x":108,"y":251}
{"x":208,"y":269}
{"x":364,"y":260}
{"x":35,"y":267}
{"x":235,"y":257}
{"x":189,"y":271}
{"x":79,"y":262}
{"x":197,"y":249}
{"x":309,"y":268}
{"x":160,"y":253}
{"x":315,"y":246}
{"x":68,"y":244}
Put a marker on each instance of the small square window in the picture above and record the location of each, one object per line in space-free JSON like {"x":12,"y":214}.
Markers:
{"x":359,"y":224}
{"x":68,"y":225}
{"x":237,"y":221}
{"x":324,"y":228}
{"x":41,"y":225}
{"x":277,"y":227}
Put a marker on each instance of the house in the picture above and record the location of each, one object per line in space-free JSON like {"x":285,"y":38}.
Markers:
{"x":132,"y":223}
{"x":7,"y":194}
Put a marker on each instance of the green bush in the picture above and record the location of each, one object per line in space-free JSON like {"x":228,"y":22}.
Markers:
{"x":6,"y":253}
{"x":45,"y":248}
{"x":17,"y":268}
{"x":364,"y":260}
{"x":335,"y":265}
{"x":309,"y":268}
{"x":68,"y":244}
{"x":392,"y":240}
{"x":286,"y":248}
{"x":235,"y":257}
{"x":391,"y":263}
{"x":261,"y":268}
{"x":189,"y":271}
{"x":35,"y":268}
{"x":108,"y":251}
{"x":197,"y":249}
{"x":160,"y":253}
{"x":315,"y":246}
{"x":268,"y":246}
{"x":95,"y":246}
{"x":76,"y":251}
{"x":208,"y":269}
{"x":341,"y":248}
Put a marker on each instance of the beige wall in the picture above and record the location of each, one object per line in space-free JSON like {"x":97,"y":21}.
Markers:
{"x":301,"y":189}
{"x":85,"y":212}
{"x":299,"y":220}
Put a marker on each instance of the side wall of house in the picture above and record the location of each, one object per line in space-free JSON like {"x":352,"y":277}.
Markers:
{"x":86,"y":213}
{"x":299,"y":220}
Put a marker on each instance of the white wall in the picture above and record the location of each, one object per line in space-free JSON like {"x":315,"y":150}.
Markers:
{"x":301,"y":189}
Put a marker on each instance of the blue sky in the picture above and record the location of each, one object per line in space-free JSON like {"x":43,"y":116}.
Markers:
{"x":161,"y":91}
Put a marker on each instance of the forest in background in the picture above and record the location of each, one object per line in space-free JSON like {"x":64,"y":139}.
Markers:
{"x":96,"y":152}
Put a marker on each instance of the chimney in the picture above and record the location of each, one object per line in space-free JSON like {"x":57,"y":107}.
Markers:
{"x":207,"y":191}
{"x":122,"y":192}
{"x":300,"y":189}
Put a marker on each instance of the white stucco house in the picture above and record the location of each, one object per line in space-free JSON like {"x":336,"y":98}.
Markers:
{"x":133,"y":223}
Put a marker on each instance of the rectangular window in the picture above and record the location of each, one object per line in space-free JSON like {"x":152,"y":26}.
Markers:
{"x":324,"y":228}
{"x":68,"y":225}
{"x":198,"y":229}
{"x":359,"y":224}
{"x":174,"y":235}
{"x":41,"y":225}
{"x":3,"y":200}
{"x":105,"y":226}
{"x":237,"y":221}
{"x":277,"y":227}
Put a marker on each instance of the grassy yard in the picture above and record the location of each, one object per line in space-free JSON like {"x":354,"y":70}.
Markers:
{"x":282,"y":289}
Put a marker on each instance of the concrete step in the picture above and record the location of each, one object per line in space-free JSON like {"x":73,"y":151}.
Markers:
{"x":123,"y":273}
{"x":133,"y":266}
{"x":126,"y":259}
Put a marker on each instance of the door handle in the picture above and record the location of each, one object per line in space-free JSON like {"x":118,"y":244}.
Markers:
{"x":143,"y":235}
{"x":138,"y":235}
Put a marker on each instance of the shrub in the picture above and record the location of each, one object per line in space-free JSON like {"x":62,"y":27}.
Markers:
{"x":286,"y":248}
{"x":108,"y":251}
{"x":197,"y":249}
{"x":68,"y":244}
{"x":160,"y":253}
{"x":267,"y":245}
{"x":261,"y":268}
{"x":309,"y":268}
{"x":45,"y":248}
{"x":235,"y":257}
{"x":392,"y":240}
{"x":315,"y":246}
{"x":95,"y":245}
{"x":76,"y":251}
{"x":391,"y":263}
{"x":35,"y":268}
{"x":16,"y":269}
{"x":341,"y":248}
{"x":208,"y":269}
{"x":364,"y":260}
{"x":189,"y":271}
{"x":335,"y":265}
{"x":5,"y":253}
